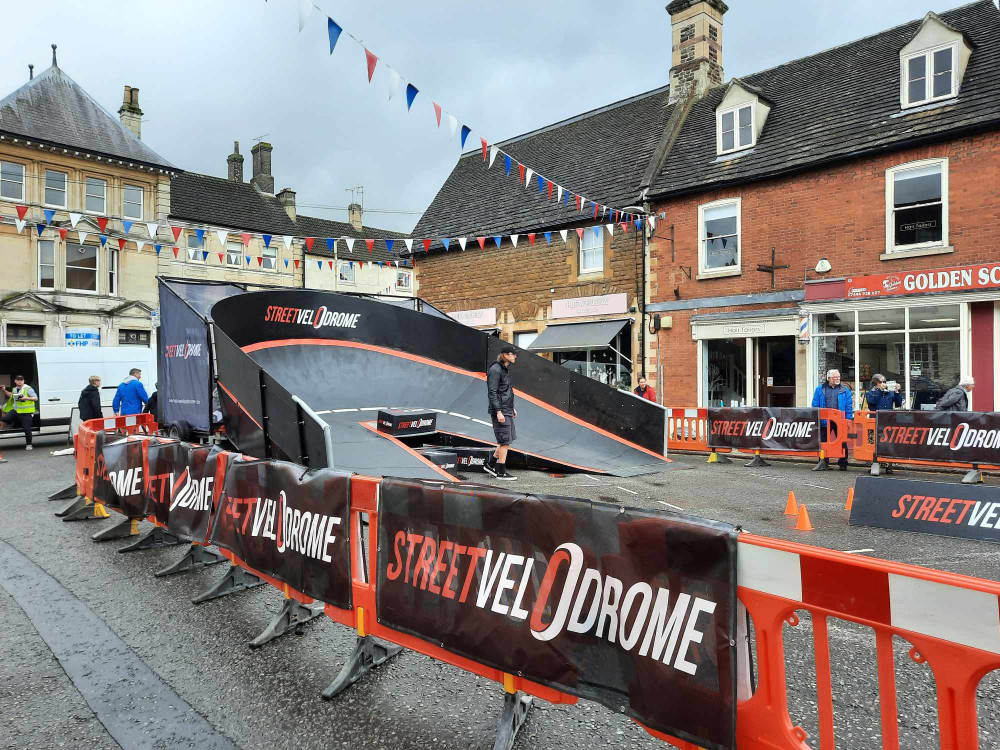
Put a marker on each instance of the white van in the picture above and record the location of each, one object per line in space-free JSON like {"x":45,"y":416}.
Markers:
{"x":59,"y":373}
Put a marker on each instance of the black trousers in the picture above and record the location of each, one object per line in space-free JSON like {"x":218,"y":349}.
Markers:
{"x":22,"y":420}
{"x":842,"y":461}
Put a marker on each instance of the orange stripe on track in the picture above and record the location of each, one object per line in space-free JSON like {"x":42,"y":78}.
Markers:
{"x":408,"y":449}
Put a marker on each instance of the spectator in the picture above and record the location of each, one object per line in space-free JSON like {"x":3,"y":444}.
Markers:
{"x":880,"y":398}
{"x":153,"y":405}
{"x":90,"y":400}
{"x":130,"y":396}
{"x":833,"y":395}
{"x":957,"y":399}
{"x":645,"y":391}
{"x":19,"y":408}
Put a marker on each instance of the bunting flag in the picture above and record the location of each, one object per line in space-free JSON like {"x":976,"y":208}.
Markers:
{"x":370,"y":60}
{"x":493,"y":155}
{"x":506,"y":163}
{"x":286,"y":262}
{"x":579,"y":233}
{"x":394,"y":83}
{"x":287,"y":239}
{"x":462,"y":241}
{"x":246,"y":236}
{"x":513,"y":239}
{"x":333,"y":29}
{"x":531,"y":238}
{"x":559,"y":192}
{"x":296,"y":261}
{"x":520,"y":168}
{"x":267,"y":240}
{"x":260,"y":260}
{"x":427,"y":245}
{"x":452,"y":125}
{"x":140,"y":244}
{"x":122,"y":241}
{"x":350,"y":244}
{"x":548,"y":237}
{"x":200,"y":233}
{"x":652,"y":222}
{"x":175,"y":252}
{"x":611,"y":229}
{"x":127,"y":226}
{"x":83,"y":236}
{"x":157,"y":248}
{"x":371,"y":245}
{"x":330,"y":242}
{"x":446,"y":242}
{"x":497,"y":239}
{"x":73,"y":218}
{"x":319,"y":264}
{"x":204,"y":255}
{"x":597,"y":233}
{"x":102,"y":223}
{"x":437,"y":113}
{"x":309,"y":243}
{"x":41,"y":228}
{"x":104,"y":240}
{"x":465,"y":134}
{"x":63,"y":231}
{"x":176,"y":231}
{"x":223,"y":236}
{"x":152,"y":227}
{"x":409,"y":244}
{"x":485,"y":144}
{"x":527,"y":178}
{"x":411,"y":94}
{"x":49,"y":215}
{"x":305,"y":9}
{"x":22,"y":211}
{"x":564,"y":233}
{"x":388,"y":245}
{"x":482,"y":242}
{"x":220,"y":258}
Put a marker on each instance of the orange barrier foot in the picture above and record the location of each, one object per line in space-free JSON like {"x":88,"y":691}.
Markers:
{"x":850,"y":499}
{"x":802,"y":522}
{"x":791,"y":507}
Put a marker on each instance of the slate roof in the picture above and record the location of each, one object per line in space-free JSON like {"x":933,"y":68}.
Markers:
{"x":310,"y":226}
{"x":200,"y":198}
{"x":600,"y":154}
{"x":837,"y":105}
{"x":53,"y":108}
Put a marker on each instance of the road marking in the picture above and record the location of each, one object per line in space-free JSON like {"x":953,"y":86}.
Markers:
{"x":592,"y":479}
{"x":341,"y":411}
{"x":670,"y":505}
{"x":479,"y":421}
{"x":456,"y":414}
{"x":819,"y":487}
{"x":855,"y":551}
{"x":625,"y":489}
{"x":790,"y":479}
{"x":325,"y":411}
{"x":371,"y":408}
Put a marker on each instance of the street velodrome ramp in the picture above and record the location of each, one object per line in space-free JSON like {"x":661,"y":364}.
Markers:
{"x":347,"y":356}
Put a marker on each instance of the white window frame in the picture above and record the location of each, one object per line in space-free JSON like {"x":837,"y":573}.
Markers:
{"x":87,"y":194}
{"x":97,"y":269}
{"x":113,"y":271}
{"x":928,"y":54}
{"x":598,"y":245}
{"x":195,"y":257}
{"x":703,"y":270}
{"x":40,"y":264}
{"x":401,"y":273}
{"x":270,"y":255}
{"x":736,"y":128}
{"x":65,"y":189}
{"x":890,"y":230}
{"x":344,"y":267}
{"x":238,"y":253}
{"x":24,"y":172}
{"x":127,"y":203}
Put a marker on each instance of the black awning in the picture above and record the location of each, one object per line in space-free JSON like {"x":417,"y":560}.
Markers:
{"x":575,"y":336}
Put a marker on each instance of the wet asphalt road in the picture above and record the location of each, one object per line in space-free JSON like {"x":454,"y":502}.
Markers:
{"x":203,"y":678}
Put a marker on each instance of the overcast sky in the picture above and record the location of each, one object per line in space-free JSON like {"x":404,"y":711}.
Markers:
{"x":214,"y":71}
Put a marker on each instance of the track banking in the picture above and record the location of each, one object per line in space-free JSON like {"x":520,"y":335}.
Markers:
{"x":314,"y":318}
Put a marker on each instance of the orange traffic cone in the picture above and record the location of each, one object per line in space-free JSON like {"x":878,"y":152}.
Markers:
{"x":850,"y":499}
{"x":791,"y":507}
{"x":802,"y":522}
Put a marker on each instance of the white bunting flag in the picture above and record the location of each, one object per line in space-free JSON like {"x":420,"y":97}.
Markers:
{"x":513,"y":239}
{"x":288,"y":241}
{"x":563,"y":232}
{"x":83,"y":236}
{"x":397,"y":263}
{"x":21,"y":224}
{"x":652,"y":222}
{"x":611,"y":229}
{"x":462,"y":241}
{"x":409,"y":245}
{"x":350,"y":243}
{"x":151,"y":227}
{"x":493,"y":155}
{"x":74,"y":218}
{"x":223,"y":235}
{"x":583,"y":203}
{"x":559,"y":195}
{"x":452,"y":125}
{"x":394,"y":83}
{"x":140,"y":244}
{"x":527,"y":177}
{"x":305,"y":9}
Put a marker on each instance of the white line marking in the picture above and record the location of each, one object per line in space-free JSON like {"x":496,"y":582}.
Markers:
{"x":439,"y":411}
{"x":625,"y":489}
{"x":856,"y":551}
{"x":670,"y":505}
{"x":456,"y":414}
{"x":371,"y":408}
{"x":819,"y":487}
{"x":479,"y":421}
{"x":341,"y":411}
{"x":592,"y":479}
{"x":325,"y":411}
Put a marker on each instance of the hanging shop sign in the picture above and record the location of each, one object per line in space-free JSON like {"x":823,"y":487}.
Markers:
{"x":952,"y":436}
{"x":486,"y":316}
{"x":761,"y":428}
{"x":578,"y":307}
{"x":959,"y":279}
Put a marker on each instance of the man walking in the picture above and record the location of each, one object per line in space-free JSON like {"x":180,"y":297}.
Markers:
{"x":833,"y":395}
{"x":19,"y":408}
{"x":500,"y":392}
{"x":645,"y":391}
{"x":130,"y":396}
{"x":957,"y":398}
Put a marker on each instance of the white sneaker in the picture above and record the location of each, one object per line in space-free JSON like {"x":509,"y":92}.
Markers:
{"x":29,"y":447}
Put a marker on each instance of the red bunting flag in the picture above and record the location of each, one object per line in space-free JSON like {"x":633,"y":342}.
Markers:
{"x":260,"y":260}
{"x":22,"y":211}
{"x":62,"y":233}
{"x":485,"y":144}
{"x":175,"y":230}
{"x":531,"y":238}
{"x":614,"y":217}
{"x":427,"y":245}
{"x":371,"y":244}
{"x":579,"y":233}
{"x":175,"y":252}
{"x":121,"y":243}
{"x":309,"y":246}
{"x":482,"y":242}
{"x":371,"y":60}
{"x":577,"y":199}
{"x":550,"y":188}
{"x":437,"y":112}
{"x":246,"y":239}
{"x":624,"y":226}
{"x":595,"y":210}
{"x":220,"y":257}
{"x":102,"y":222}
{"x":520,"y":167}
{"x":296,"y":261}
{"x":331,"y":264}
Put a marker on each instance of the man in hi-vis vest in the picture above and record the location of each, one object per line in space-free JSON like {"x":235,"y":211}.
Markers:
{"x":19,"y":408}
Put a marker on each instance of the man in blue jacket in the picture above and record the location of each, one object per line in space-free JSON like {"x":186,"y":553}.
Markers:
{"x":833,"y":395}
{"x":130,"y":396}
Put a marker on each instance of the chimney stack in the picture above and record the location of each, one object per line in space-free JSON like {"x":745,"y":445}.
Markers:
{"x":262,"y":178}
{"x":235,"y":161}
{"x":696,"y":44}
{"x":129,"y":112}
{"x":287,"y":200}
{"x":31,"y":71}
{"x":354,"y":216}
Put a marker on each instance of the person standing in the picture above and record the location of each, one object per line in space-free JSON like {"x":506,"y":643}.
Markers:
{"x":153,"y":405}
{"x":19,"y":408}
{"x":957,"y":398}
{"x":500,"y":392}
{"x":131,"y":395}
{"x":880,"y":398}
{"x":90,"y":400}
{"x":833,"y":395}
{"x":645,"y":391}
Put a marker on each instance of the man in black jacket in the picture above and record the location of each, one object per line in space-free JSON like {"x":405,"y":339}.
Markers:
{"x":90,"y":400}
{"x":500,"y":391}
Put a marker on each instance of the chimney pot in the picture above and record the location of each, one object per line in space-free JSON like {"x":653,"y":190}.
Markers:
{"x":129,"y":113}
{"x":354,"y":215}
{"x":31,"y":71}
{"x":54,"y":64}
{"x":262,"y":178}
{"x":235,"y":162}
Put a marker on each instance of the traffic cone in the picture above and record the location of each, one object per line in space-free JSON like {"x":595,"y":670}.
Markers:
{"x":802,"y":522}
{"x":850,"y":499}
{"x":791,"y":507}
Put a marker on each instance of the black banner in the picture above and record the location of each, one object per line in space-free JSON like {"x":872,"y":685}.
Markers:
{"x":119,"y":479}
{"x":183,"y":486}
{"x":762,"y":428}
{"x":633,"y":609}
{"x":290,"y":524}
{"x":970,"y":437}
{"x":184,"y":358}
{"x":947,"y":509}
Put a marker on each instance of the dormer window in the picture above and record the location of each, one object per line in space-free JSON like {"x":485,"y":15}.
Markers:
{"x":930,"y":75}
{"x":736,"y":130}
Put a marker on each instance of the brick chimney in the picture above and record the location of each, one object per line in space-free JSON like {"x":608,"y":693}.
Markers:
{"x":235,"y":162}
{"x":287,"y":200}
{"x":354,"y":216}
{"x":262,"y":178}
{"x":129,"y":112}
{"x":696,"y":44}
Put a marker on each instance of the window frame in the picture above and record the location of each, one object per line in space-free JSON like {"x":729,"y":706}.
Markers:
{"x":12,"y":324}
{"x":53,"y":264}
{"x":86,"y":194}
{"x":65,"y":189}
{"x":114,"y":272}
{"x":735,"y":109}
{"x":24,"y":177}
{"x":346,"y":265}
{"x":703,"y":270}
{"x":408,"y":287}
{"x":890,"y":182}
{"x":140,"y":331}
{"x":97,"y":269}
{"x":270,"y":256}
{"x":142,"y":202}
{"x":928,"y":55}
{"x":239,"y":254}
{"x":598,"y":245}
{"x":199,"y":248}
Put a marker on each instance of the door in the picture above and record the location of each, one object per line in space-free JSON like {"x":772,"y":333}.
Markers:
{"x":776,"y":371}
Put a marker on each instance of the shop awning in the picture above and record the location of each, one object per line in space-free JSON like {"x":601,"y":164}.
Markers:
{"x":575,"y":336}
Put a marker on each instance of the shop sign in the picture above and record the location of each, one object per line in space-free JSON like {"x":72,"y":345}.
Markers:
{"x":576,"y":307}
{"x":745,"y":329}
{"x":960,"y":279}
{"x":486,"y":316}
{"x":83,"y":337}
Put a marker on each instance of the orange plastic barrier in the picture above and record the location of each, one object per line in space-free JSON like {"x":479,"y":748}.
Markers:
{"x":85,"y":444}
